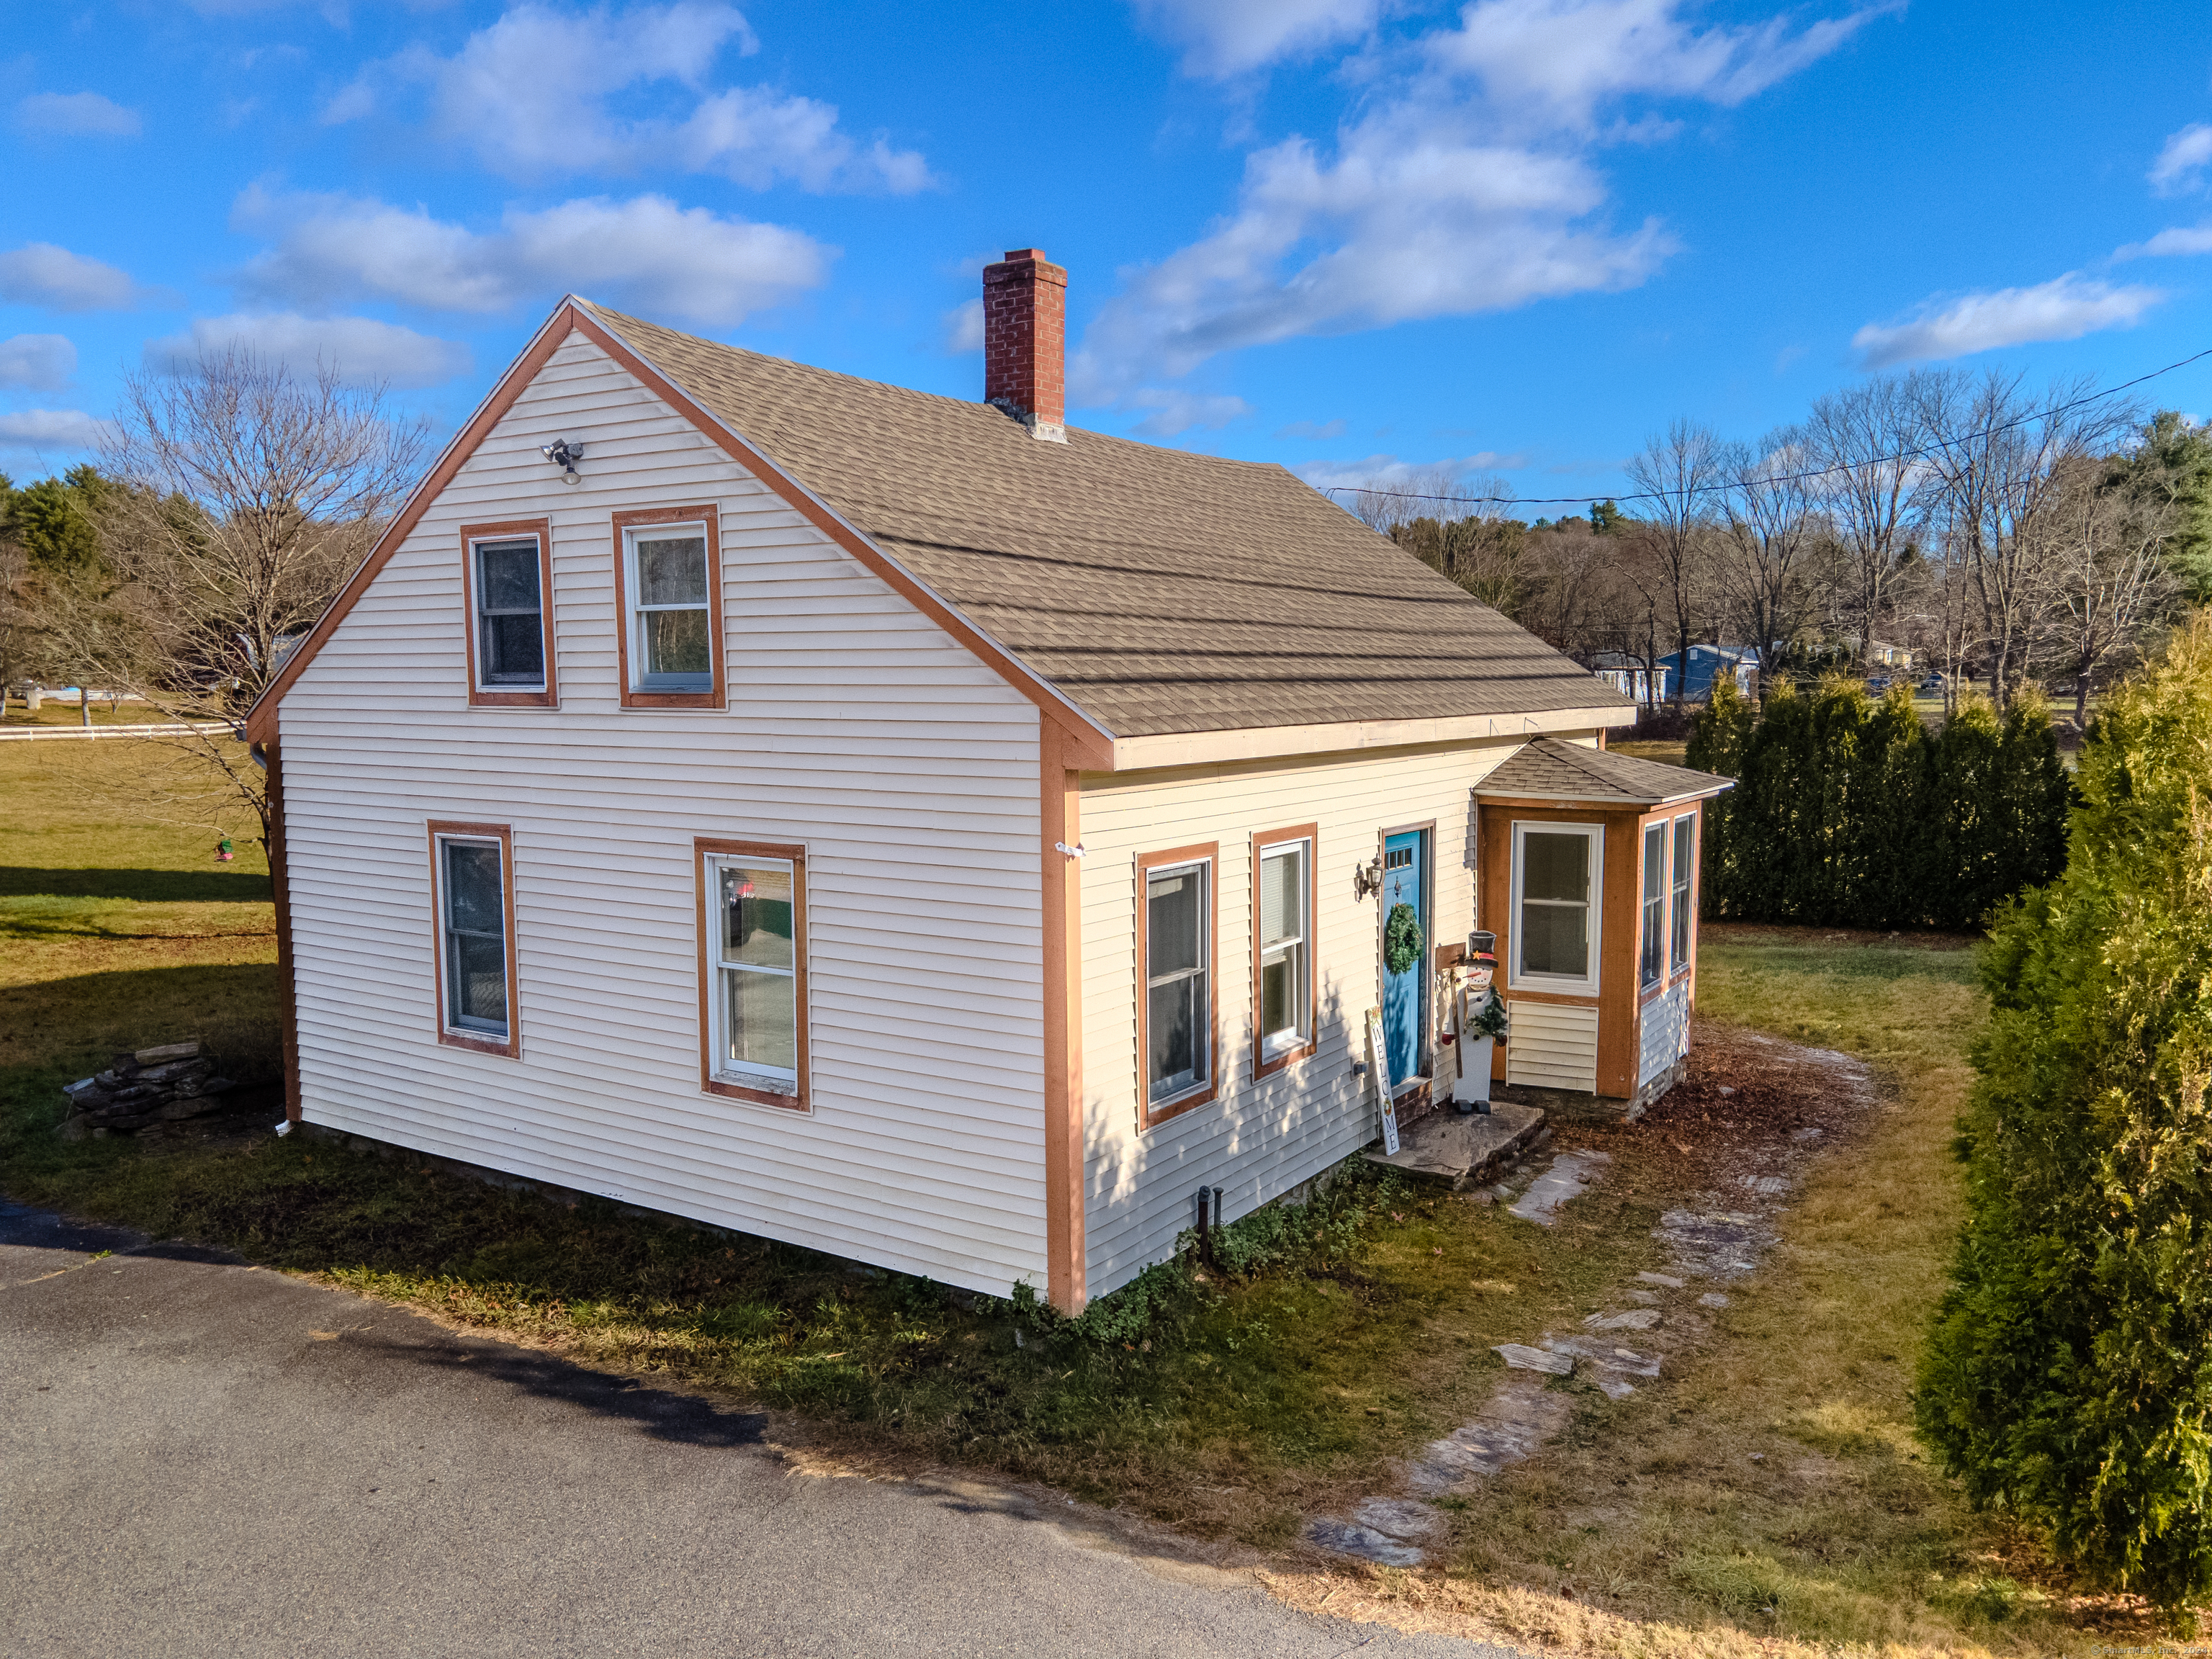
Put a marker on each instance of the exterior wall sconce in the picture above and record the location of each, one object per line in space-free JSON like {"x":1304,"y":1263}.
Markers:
{"x":1367,"y":878}
{"x":565,"y":455}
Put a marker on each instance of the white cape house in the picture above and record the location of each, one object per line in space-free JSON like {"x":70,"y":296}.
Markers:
{"x":919,"y":830}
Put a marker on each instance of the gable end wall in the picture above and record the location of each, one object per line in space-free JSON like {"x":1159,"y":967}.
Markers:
{"x":854,"y":725}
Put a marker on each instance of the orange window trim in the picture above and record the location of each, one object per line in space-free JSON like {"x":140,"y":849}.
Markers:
{"x":1149,"y":1117}
{"x":716,"y":611}
{"x":701,"y":848}
{"x":510,"y":530}
{"x":1060,"y":826}
{"x":1262,"y":1066}
{"x":441,"y":829}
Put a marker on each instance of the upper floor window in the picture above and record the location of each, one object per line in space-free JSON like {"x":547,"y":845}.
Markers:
{"x":671,"y":622}
{"x":510,"y":640}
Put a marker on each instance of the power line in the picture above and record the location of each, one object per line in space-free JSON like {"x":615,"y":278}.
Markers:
{"x":1786,"y":477}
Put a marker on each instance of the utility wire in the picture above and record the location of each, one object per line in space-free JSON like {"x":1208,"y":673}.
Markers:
{"x":1785,"y":477}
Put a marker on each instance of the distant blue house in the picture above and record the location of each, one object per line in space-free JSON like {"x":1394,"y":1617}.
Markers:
{"x":1708,"y":661}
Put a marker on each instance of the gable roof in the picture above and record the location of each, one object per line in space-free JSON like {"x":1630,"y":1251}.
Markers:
{"x":1551,"y":768}
{"x":1157,"y":591}
{"x":1135,"y":591}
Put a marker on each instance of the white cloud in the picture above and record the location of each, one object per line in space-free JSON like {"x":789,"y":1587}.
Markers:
{"x":1176,"y":412}
{"x":1555,"y":62}
{"x":76,"y":114}
{"x":1389,"y":472}
{"x":1224,"y":38}
{"x":40,"y":274}
{"x":2173,"y":242}
{"x":646,"y":252}
{"x":2064,"y":308}
{"x":39,"y":362}
{"x":2183,"y":159}
{"x":535,"y":93}
{"x":1462,"y":181}
{"x":50,"y":429}
{"x":964,"y":327}
{"x":363,"y":351}
{"x":1316,"y":431}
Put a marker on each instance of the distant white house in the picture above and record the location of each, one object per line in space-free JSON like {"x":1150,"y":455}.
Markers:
{"x":918,"y":829}
{"x":1639,"y":682}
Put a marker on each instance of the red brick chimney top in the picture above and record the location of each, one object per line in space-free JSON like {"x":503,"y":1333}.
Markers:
{"x":1025,"y":340}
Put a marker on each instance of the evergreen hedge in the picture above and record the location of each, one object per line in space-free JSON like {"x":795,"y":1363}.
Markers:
{"x":2068,"y":1377}
{"x":1848,"y":811}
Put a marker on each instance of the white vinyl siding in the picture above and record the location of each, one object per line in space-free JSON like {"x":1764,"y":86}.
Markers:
{"x":1665,"y":1036}
{"x":854,"y":726}
{"x":1258,"y":1138}
{"x":1553,"y":1046}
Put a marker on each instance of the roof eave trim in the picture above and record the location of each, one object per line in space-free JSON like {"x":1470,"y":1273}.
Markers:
{"x":1486,"y":792}
{"x":1007,"y":665}
{"x":1246,"y":743}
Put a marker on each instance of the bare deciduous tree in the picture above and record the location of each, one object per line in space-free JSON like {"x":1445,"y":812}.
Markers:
{"x":248,"y":497}
{"x":2107,"y":566}
{"x":1769,"y":554}
{"x":1860,"y":439}
{"x":1681,"y":474}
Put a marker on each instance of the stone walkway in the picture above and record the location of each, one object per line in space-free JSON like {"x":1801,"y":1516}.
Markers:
{"x":1721,"y":1239}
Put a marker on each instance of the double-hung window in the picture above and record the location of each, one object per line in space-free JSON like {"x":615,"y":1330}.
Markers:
{"x":1176,"y":949}
{"x":1686,"y":862}
{"x":753,"y":917}
{"x":1651,"y":958}
{"x":510,"y":639}
{"x":1283,"y":876}
{"x":1555,"y":868}
{"x":671,"y":631}
{"x":472,"y":879}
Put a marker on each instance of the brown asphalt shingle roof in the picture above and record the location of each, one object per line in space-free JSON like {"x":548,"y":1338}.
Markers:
{"x":1551,"y":768}
{"x":1160,"y":591}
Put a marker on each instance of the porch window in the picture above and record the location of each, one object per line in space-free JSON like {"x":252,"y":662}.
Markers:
{"x":1685,"y":862}
{"x":1283,"y":940}
{"x":474,"y":894}
{"x":756,"y":958}
{"x":1177,"y":954}
{"x":1652,"y":958}
{"x":510,"y":616}
{"x":1554,"y":903}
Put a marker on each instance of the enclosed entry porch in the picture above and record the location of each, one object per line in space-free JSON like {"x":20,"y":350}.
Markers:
{"x":1589,"y":865}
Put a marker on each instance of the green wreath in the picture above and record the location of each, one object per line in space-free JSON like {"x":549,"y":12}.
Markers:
{"x":1402,"y":939}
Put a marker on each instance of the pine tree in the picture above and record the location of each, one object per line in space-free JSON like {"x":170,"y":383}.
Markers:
{"x":2068,"y":1374}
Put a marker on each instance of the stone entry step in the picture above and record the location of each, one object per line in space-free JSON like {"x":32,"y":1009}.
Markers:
{"x":1459,"y":1151}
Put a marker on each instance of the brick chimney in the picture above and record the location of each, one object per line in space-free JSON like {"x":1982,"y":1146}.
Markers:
{"x":1025,"y":340}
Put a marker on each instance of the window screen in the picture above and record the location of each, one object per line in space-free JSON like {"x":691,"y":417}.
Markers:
{"x":1555,"y":902}
{"x":755,"y":973}
{"x":671,"y":646}
{"x":1651,"y":956}
{"x":510,"y":617}
{"x":1285,"y":1016}
{"x":1178,"y":1022}
{"x":475,"y":897}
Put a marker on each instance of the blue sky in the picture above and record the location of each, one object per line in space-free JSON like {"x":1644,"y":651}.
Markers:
{"x":1365,"y":240}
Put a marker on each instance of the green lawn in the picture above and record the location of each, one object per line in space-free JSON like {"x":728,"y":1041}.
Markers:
{"x":1244,"y":1402}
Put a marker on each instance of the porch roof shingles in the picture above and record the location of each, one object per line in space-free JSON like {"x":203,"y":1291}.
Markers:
{"x":1160,"y":591}
{"x":1551,"y":768}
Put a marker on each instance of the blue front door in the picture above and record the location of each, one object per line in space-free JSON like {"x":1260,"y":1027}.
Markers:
{"x":1402,"y":991}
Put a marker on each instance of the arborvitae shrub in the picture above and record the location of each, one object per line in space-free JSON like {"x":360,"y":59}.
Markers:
{"x":1846,"y":813}
{"x":2068,"y":1377}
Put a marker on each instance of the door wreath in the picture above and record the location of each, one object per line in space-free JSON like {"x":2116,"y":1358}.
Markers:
{"x":1402,"y":939}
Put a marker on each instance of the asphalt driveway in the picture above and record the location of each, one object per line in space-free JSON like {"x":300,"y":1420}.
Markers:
{"x":200,"y":1458}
